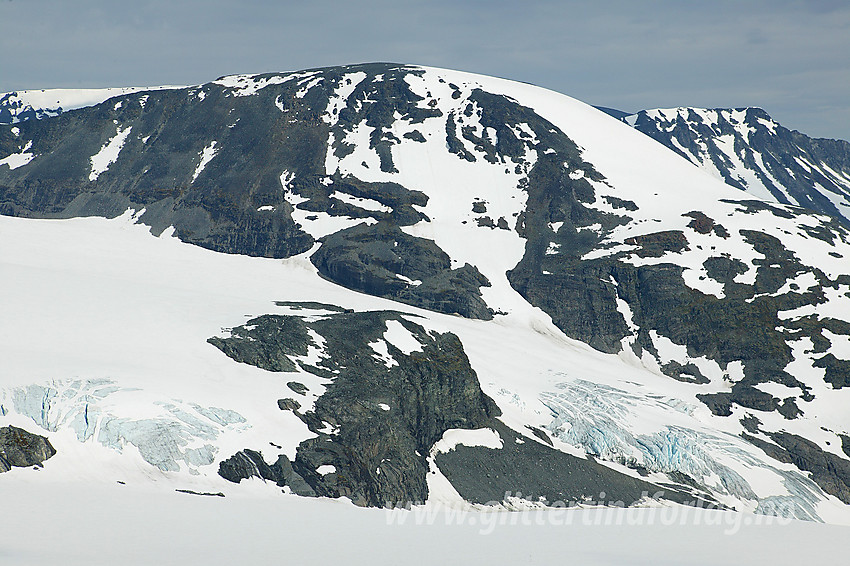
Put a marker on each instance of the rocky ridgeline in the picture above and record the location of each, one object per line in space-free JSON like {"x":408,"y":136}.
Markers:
{"x":749,"y":150}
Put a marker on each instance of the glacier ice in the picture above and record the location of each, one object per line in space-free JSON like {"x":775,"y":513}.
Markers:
{"x":599,"y":419}
{"x":171,"y":435}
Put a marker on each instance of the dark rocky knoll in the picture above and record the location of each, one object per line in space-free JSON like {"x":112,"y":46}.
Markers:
{"x":21,"y":449}
{"x":379,"y":454}
{"x":368,"y":258}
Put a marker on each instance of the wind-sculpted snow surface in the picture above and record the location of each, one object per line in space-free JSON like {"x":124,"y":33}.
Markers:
{"x":544,"y":221}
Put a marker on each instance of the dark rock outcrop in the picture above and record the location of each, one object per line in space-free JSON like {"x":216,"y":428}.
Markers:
{"x":268,"y":344}
{"x":380,"y":417}
{"x":610,"y":288}
{"x":248,"y":463}
{"x":527,"y":469}
{"x":377,"y":420}
{"x":20,"y":448}
{"x":382,"y":260}
{"x":830,"y":472}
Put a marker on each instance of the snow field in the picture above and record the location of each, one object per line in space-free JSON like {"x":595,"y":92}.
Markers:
{"x":102,"y":524}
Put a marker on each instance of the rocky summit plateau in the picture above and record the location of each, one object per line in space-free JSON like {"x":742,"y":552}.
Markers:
{"x":401,"y":285}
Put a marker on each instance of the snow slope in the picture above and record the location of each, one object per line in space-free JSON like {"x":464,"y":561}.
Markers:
{"x":68,"y":332}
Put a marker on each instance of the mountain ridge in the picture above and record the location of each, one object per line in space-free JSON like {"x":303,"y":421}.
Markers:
{"x":749,"y":150}
{"x":399,"y":182}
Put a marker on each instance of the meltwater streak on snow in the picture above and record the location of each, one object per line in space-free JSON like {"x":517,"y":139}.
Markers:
{"x":107,"y":155}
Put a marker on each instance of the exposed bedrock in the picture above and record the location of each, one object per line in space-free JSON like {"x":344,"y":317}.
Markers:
{"x":527,"y":469}
{"x":382,"y":260}
{"x":19,"y":448}
{"x":382,"y":410}
{"x":393,"y":390}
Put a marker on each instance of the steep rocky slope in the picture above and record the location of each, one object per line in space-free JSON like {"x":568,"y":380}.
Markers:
{"x":748,"y":149}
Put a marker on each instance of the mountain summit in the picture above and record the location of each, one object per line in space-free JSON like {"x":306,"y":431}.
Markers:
{"x":460,"y":288}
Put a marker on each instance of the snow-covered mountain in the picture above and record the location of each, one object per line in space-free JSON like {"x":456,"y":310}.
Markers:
{"x":414,"y":285}
{"x":23,"y":105}
{"x":749,"y":150}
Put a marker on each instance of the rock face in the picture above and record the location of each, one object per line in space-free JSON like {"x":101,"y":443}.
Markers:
{"x":229,"y":181}
{"x":530,"y":470}
{"x":393,"y":390}
{"x":20,"y":448}
{"x":384,"y":261}
{"x":749,"y":150}
{"x":249,"y":463}
{"x":831,"y":472}
{"x":384,"y":407}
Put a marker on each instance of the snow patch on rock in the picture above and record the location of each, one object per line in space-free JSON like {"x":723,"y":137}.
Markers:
{"x":108,"y":154}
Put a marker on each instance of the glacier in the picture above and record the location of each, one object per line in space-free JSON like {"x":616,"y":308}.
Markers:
{"x":173,"y":435}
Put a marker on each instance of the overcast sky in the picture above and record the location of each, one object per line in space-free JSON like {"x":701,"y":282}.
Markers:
{"x":791,"y":57}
